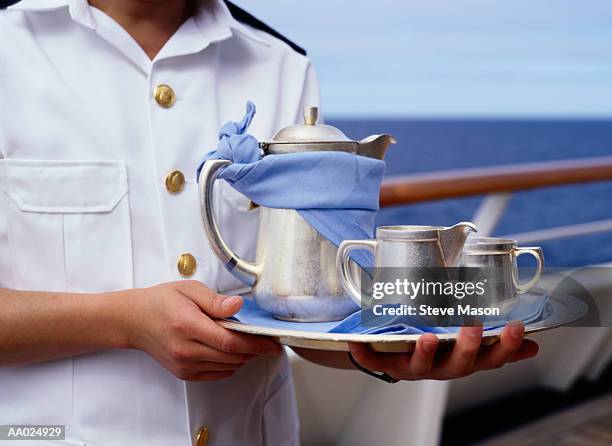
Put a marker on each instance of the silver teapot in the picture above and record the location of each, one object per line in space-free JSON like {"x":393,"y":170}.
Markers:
{"x":294,"y":274}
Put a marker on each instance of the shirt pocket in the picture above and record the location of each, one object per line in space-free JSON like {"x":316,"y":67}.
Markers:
{"x":68,"y":225}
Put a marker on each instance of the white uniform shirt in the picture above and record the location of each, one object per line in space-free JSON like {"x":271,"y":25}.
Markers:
{"x":84,"y":152}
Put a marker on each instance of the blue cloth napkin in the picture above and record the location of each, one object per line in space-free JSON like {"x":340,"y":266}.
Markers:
{"x":336,"y":192}
{"x":529,"y":309}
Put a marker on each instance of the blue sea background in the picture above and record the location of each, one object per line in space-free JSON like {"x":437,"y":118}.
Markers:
{"x":433,"y":145}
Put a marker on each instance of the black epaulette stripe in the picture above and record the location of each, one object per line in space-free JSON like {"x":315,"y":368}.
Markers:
{"x":6,"y":3}
{"x":244,"y":17}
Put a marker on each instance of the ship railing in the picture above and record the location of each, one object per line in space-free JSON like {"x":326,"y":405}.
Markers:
{"x":498,"y":184}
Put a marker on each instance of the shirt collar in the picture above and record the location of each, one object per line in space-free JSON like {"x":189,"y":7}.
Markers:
{"x":38,"y":5}
{"x":221,"y":12}
{"x":79,"y":9}
{"x":214,"y":19}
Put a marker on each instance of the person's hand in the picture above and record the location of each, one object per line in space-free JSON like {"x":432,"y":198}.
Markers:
{"x":174,"y":323}
{"x":466,"y":357}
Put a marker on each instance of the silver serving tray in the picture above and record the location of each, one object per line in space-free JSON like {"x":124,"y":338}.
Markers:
{"x":565,"y":311}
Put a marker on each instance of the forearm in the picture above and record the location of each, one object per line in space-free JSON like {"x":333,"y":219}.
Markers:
{"x":39,"y":326}
{"x":336,"y":360}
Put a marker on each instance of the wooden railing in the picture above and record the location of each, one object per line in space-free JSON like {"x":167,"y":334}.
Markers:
{"x":444,"y":184}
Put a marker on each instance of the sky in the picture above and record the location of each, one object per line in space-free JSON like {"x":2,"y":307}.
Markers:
{"x":453,"y":58}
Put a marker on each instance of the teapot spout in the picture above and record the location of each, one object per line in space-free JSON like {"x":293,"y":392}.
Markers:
{"x":452,"y":240}
{"x":375,"y":146}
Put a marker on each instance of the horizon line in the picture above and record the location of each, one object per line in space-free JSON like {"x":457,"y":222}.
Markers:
{"x":466,"y":117}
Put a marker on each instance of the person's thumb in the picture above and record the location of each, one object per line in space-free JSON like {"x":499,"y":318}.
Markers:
{"x":219,"y":306}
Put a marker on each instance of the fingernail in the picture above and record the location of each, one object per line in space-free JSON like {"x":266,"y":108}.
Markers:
{"x":429,"y":346}
{"x":517,"y":329}
{"x":474,"y":332}
{"x":230,"y":302}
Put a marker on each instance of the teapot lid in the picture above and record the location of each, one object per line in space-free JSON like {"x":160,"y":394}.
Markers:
{"x":310,"y":131}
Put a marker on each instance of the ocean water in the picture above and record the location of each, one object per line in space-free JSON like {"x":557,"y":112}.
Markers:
{"x":429,"y":145}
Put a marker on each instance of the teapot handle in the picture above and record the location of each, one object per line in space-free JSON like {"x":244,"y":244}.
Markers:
{"x":244,"y":271}
{"x":342,"y":265}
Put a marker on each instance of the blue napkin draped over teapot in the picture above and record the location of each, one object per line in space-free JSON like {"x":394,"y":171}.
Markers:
{"x":335,"y":192}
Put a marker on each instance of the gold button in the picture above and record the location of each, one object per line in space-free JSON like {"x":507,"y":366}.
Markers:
{"x":175,"y":181}
{"x":164,"y":95}
{"x":202,"y":437}
{"x":186,"y":264}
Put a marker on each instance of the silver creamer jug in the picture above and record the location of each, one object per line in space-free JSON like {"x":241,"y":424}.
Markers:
{"x":294,"y":274}
{"x":405,"y":247}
